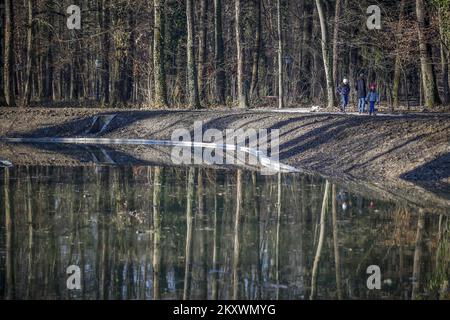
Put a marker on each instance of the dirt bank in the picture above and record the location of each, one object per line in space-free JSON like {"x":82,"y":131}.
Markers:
{"x":402,"y":156}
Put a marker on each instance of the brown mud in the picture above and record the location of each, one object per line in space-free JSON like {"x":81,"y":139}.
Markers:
{"x":398,"y":157}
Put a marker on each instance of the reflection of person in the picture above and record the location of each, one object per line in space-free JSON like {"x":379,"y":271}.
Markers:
{"x":344,"y":91}
{"x":373,"y":98}
{"x":362,"y":93}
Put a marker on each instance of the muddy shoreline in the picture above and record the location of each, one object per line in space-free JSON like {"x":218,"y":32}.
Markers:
{"x":406,"y":157}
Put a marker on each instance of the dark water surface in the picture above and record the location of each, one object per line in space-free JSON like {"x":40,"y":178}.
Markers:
{"x":185,"y":233}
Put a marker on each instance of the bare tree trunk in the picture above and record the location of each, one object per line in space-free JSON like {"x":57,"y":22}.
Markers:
{"x":280,"y":58}
{"x":106,"y":47}
{"x":194,"y":99}
{"x":254,"y":92}
{"x":326,"y":54}
{"x":219,"y":53}
{"x":30,"y":54}
{"x":337,"y":25}
{"x":444,"y":60}
{"x":237,"y":242}
{"x":2,"y":51}
{"x":315,"y":269}
{"x":203,"y":50}
{"x":398,"y":60}
{"x":428,"y":79}
{"x":8,"y":70}
{"x":240,"y":61}
{"x":158,"y":54}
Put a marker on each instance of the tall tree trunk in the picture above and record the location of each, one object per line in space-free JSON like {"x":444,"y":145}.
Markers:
{"x":337,"y":25}
{"x":240,"y":60}
{"x":158,"y":55}
{"x":194,"y":99}
{"x":254,"y":92}
{"x":305,"y":65}
{"x":219,"y":53}
{"x":398,"y":60}
{"x":202,"y":50}
{"x":444,"y":59}
{"x":48,"y":61}
{"x":131,"y":48}
{"x":326,"y":54}
{"x":8,"y":70}
{"x":280,"y":57}
{"x":106,"y":47}
{"x":428,"y":79}
{"x":30,"y":53}
{"x":2,"y":51}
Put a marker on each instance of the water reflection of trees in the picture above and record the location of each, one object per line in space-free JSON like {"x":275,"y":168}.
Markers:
{"x":160,"y":233}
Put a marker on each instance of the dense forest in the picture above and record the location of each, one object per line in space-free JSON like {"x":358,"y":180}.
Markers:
{"x":206,"y":53}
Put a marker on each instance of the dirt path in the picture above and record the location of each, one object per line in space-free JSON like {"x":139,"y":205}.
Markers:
{"x":403,"y":156}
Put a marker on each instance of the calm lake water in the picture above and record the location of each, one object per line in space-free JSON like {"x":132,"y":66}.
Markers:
{"x":190,"y":233}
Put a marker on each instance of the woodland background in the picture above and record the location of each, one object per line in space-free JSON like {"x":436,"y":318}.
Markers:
{"x":206,"y":53}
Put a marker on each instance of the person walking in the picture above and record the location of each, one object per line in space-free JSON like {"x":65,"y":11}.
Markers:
{"x":344,"y":91}
{"x":361,"y":88}
{"x":373,"y":98}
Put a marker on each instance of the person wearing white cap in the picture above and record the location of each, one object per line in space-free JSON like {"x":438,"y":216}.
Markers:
{"x":344,"y":91}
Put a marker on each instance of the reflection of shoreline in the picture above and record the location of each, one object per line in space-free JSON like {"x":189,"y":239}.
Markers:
{"x":79,"y":155}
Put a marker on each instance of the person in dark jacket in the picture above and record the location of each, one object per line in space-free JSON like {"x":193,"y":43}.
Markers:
{"x":344,"y":91}
{"x":362,"y":93}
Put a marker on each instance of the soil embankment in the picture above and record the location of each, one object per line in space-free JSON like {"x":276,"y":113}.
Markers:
{"x":402,"y":156}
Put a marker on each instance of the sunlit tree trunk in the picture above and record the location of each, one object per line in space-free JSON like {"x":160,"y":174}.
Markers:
{"x":158,"y":54}
{"x":326,"y":54}
{"x":194,"y":99}
{"x":240,"y":60}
